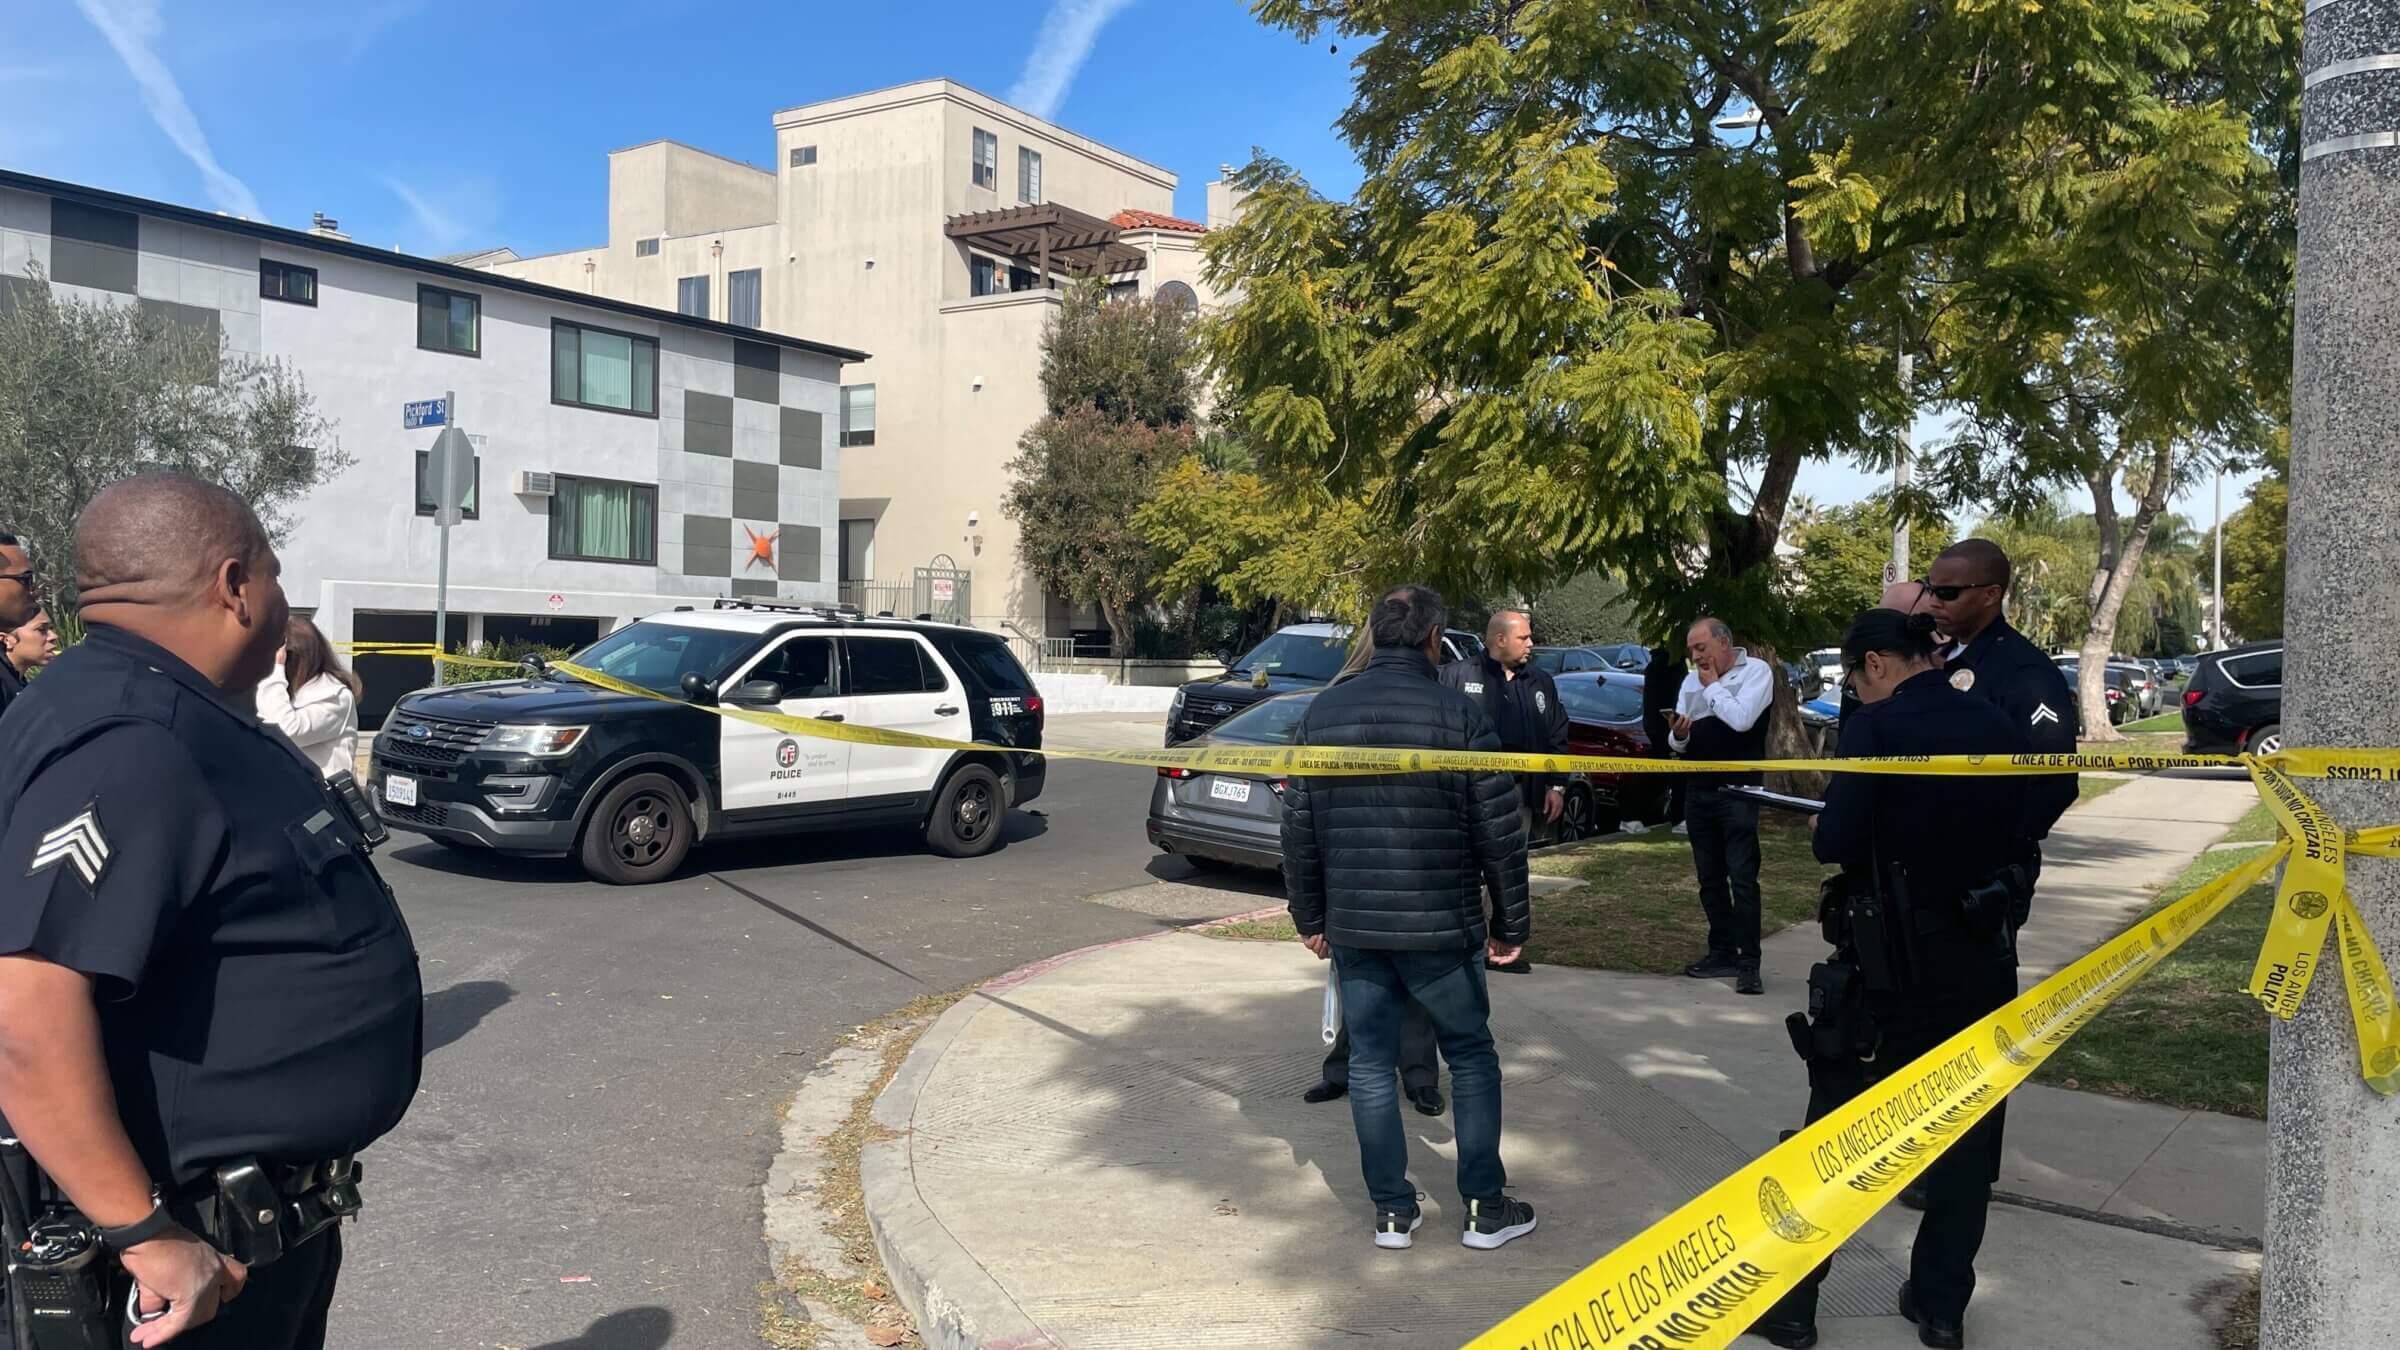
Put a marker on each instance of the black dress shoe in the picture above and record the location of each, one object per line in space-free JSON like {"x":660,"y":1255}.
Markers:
{"x":1931,"y":1330}
{"x":1428,"y":1101}
{"x":1912,"y":1196}
{"x":1789,"y":1335}
{"x":1748,"y":982}
{"x":1325,"y":1092}
{"x":1714,"y":966}
{"x":1520,"y":966}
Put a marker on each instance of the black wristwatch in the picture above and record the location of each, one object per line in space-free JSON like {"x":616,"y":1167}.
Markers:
{"x":155,"y":1224}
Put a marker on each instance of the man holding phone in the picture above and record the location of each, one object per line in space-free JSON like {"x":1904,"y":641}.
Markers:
{"x":1721,"y":713}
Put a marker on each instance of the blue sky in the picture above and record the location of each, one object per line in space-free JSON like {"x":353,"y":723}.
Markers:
{"x":441,"y":125}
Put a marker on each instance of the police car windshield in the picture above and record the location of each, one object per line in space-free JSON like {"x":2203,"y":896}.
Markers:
{"x":1299,"y":656}
{"x":657,"y":656}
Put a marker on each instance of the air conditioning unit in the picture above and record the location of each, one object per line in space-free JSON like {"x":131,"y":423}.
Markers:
{"x":534,"y":483}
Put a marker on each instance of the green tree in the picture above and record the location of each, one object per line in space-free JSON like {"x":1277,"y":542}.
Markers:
{"x":1839,"y":568}
{"x":91,"y":393}
{"x":1590,"y":608}
{"x":1119,"y":379}
{"x":2254,"y":545}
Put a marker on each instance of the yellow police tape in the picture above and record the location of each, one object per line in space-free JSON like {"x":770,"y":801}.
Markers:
{"x":1696,"y":1278}
{"x":2312,"y":900}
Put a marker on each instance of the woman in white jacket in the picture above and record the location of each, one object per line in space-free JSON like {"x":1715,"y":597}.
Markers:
{"x":313,"y":700}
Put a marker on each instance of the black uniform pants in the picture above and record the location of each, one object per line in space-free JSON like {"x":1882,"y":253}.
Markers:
{"x":1417,"y":1067}
{"x":1724,"y":831}
{"x":1963,"y":981}
{"x":284,"y":1305}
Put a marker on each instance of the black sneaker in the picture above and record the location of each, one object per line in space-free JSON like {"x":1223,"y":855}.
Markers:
{"x":1496,"y":1223}
{"x":1392,"y":1228}
{"x":1714,"y":966}
{"x":1747,"y":981}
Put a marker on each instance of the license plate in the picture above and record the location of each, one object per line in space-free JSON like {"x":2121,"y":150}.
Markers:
{"x":1230,"y":790}
{"x":400,"y":791}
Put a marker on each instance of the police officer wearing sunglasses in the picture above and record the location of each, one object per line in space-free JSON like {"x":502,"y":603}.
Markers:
{"x":19,"y":602}
{"x":210,"y":1000}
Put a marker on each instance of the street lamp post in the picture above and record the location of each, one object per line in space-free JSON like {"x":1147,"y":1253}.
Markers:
{"x":2216,"y":587}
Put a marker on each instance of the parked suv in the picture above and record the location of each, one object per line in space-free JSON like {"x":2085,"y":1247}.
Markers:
{"x":2235,"y":701}
{"x":1301,"y":656}
{"x":549,"y":766}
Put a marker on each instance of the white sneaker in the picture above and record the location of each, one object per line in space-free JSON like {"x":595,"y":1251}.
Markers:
{"x":1392,"y":1230}
{"x":1496,"y":1223}
{"x":1684,"y":830}
{"x":1632,"y":827}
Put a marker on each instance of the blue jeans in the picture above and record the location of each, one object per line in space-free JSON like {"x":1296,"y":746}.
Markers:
{"x":1376,"y":988}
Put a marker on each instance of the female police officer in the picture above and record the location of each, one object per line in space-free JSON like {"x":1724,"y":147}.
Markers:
{"x":1924,"y":936}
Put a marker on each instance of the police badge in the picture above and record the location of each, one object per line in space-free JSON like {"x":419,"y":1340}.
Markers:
{"x":1962,"y":680}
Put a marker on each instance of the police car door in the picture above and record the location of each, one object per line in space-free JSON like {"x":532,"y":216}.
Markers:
{"x":897,"y":683}
{"x":765,"y":768}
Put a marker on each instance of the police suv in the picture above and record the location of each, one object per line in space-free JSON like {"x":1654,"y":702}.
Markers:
{"x":549,"y":766}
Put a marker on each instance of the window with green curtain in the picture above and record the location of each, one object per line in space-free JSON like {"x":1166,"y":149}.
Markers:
{"x":595,"y":368}
{"x":595,"y":520}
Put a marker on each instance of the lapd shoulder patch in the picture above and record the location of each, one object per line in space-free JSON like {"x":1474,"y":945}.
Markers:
{"x":79,"y":844}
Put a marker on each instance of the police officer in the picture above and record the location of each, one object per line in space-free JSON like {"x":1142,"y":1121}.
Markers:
{"x":19,"y":602}
{"x":1993,"y":661}
{"x":1522,"y":701}
{"x":1920,"y":916}
{"x":210,"y":999}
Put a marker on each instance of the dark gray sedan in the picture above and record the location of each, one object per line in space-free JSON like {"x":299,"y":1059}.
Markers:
{"x":1216,"y":820}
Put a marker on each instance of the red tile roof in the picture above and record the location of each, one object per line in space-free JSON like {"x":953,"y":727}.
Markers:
{"x":1130,"y":219}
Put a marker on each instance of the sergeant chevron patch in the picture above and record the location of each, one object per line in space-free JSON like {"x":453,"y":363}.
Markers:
{"x":80,"y":844}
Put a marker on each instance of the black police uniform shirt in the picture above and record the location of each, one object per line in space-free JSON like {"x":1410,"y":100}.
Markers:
{"x":2005,"y":669}
{"x":256,"y":985}
{"x":1946,"y":832}
{"x":1526,"y":711}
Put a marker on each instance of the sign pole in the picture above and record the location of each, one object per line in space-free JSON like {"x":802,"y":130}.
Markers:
{"x":443,"y":515}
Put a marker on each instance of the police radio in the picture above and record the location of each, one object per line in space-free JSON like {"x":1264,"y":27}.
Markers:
{"x":59,"y":1274}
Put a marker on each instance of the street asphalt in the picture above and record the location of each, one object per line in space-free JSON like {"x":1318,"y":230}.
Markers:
{"x":605,"y":1066}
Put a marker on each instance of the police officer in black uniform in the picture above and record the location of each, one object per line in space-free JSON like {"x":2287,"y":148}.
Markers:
{"x":19,"y":602}
{"x":1522,"y":701}
{"x":1921,"y":922}
{"x":1994,"y":662}
{"x":209,"y":999}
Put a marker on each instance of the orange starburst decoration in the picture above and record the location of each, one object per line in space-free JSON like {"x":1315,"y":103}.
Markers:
{"x":762,"y":547}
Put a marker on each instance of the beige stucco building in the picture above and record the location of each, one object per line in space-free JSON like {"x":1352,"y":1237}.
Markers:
{"x":927,"y":224}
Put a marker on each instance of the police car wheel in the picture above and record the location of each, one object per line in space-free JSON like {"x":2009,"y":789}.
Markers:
{"x":967,"y":813}
{"x":639,"y":832}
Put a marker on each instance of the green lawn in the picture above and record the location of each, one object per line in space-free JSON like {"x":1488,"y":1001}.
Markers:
{"x":2171,"y":720}
{"x":2142,"y":742}
{"x":2185,"y":1034}
{"x":1639,"y":907}
{"x":2088,"y":786}
{"x":2258,"y":825}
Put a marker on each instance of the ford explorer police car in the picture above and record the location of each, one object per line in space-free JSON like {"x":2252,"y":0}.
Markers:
{"x":549,"y":766}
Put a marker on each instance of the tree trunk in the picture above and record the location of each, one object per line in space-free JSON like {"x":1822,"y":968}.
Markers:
{"x":1787,"y":736}
{"x":2103,"y":483}
{"x":2091,"y":694}
{"x":1120,"y":628}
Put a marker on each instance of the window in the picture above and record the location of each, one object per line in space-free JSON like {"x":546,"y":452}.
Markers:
{"x":803,"y":667}
{"x":645,"y":248}
{"x":691,"y":296}
{"x":449,"y":321}
{"x":595,"y":368}
{"x":892,"y":666}
{"x":987,"y":160}
{"x":1124,"y":290}
{"x":2261,"y":670}
{"x":1029,"y":175}
{"x":741,"y":297}
{"x":287,"y":282}
{"x":1022,"y":279}
{"x":1601,"y":700}
{"x":803,"y":156}
{"x":425,"y":487}
{"x":983,"y":276}
{"x":858,"y":414}
{"x":595,"y":520}
{"x":1180,"y":296}
{"x":657,"y":656}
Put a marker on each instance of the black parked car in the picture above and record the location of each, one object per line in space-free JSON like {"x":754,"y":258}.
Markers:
{"x":1302,"y":656}
{"x":2234,"y":704}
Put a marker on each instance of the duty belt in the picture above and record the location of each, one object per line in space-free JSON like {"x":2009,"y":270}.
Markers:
{"x":256,"y":1211}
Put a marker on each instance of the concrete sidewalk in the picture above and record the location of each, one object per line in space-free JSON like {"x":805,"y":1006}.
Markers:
{"x":1110,"y":1149}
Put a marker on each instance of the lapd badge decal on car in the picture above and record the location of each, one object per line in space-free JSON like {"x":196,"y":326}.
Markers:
{"x":79,"y":844}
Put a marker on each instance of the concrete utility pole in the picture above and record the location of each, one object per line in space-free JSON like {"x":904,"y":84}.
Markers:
{"x":2334,"y":1146}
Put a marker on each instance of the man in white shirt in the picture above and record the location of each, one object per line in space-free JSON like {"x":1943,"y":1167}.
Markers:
{"x":1721,"y":713}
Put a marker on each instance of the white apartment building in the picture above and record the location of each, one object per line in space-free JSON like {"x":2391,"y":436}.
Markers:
{"x":628,"y":458}
{"x":931,"y":225}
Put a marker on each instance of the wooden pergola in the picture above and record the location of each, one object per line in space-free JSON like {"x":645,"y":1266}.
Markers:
{"x":1050,"y":236}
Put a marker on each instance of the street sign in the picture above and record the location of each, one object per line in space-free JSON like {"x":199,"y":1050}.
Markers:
{"x":945,"y":590}
{"x":431,"y":412}
{"x":451,"y":474}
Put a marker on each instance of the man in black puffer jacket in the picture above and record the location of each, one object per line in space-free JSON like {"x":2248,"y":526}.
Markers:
{"x":1387,"y":877}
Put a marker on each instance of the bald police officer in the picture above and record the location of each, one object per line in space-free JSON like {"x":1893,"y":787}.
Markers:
{"x":208,"y":999}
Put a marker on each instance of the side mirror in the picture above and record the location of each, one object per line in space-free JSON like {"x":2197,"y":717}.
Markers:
{"x":757,"y":692}
{"x":698,"y":690}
